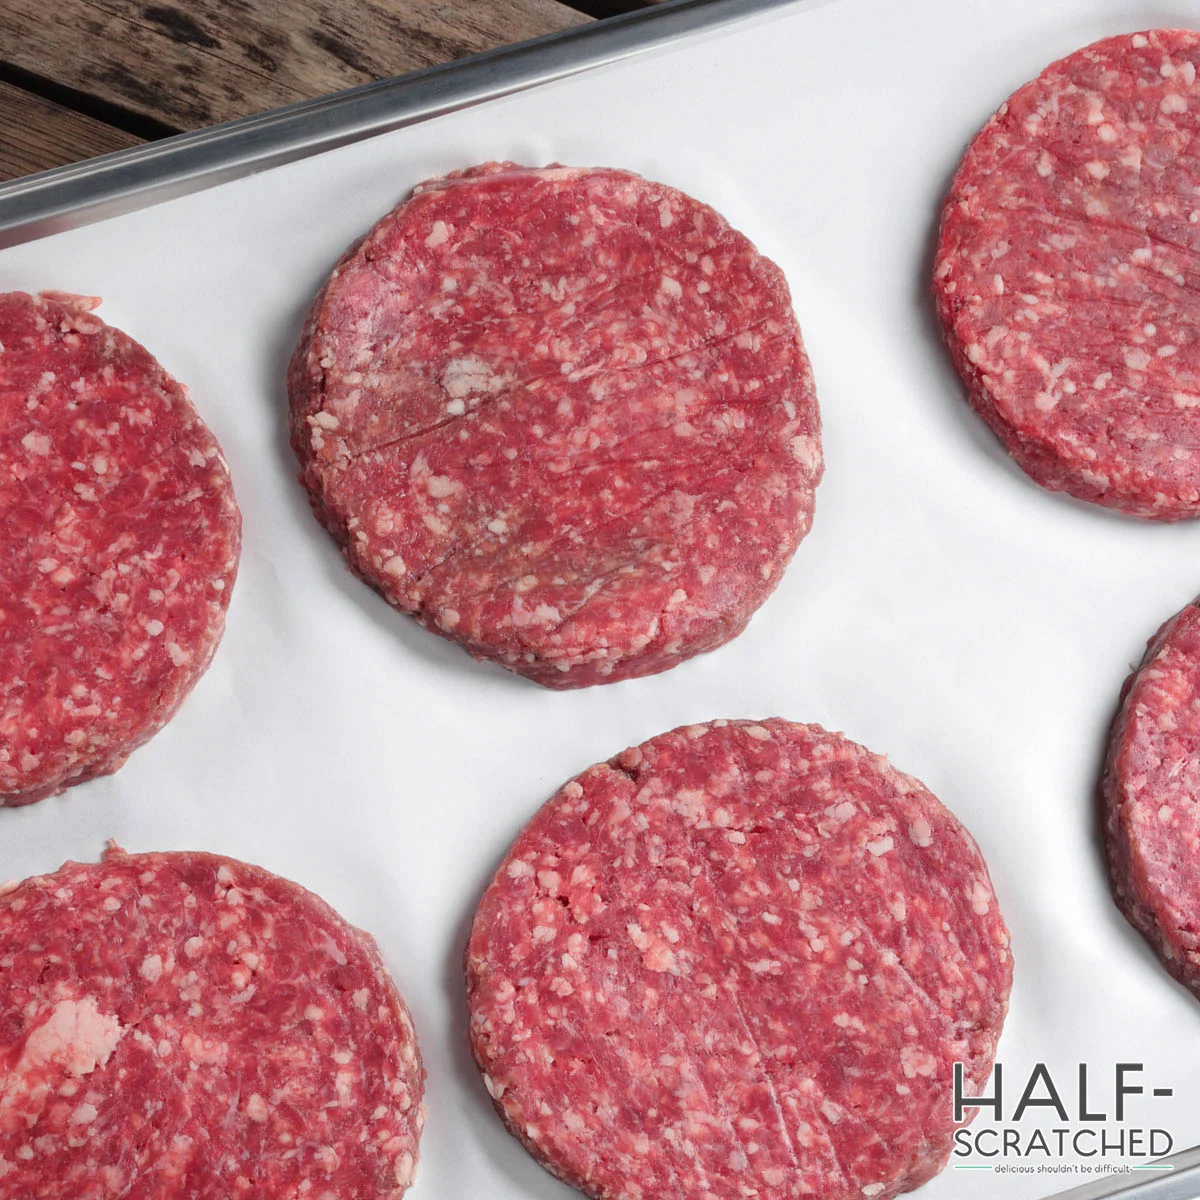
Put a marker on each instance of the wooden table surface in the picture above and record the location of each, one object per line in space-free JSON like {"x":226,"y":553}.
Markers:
{"x":83,"y":77}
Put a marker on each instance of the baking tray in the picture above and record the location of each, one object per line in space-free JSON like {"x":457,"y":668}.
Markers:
{"x":944,"y":610}
{"x":79,"y":193}
{"x":1176,"y":1178}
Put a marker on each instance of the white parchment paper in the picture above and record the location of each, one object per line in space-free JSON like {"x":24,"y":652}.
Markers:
{"x":944,"y":610}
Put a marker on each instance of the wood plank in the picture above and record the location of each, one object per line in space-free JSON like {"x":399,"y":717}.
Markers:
{"x":36,"y":135}
{"x":612,"y":8}
{"x":215,"y":60}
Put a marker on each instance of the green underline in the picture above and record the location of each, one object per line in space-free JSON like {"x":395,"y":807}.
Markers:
{"x":1133,"y":1167}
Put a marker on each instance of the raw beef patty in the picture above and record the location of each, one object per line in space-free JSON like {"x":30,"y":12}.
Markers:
{"x":563,"y":417}
{"x":118,"y":548}
{"x":740,"y":959}
{"x":188,"y":1027}
{"x":1067,"y":274}
{"x":1151,"y":782}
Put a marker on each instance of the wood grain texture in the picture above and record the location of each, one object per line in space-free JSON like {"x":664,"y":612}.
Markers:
{"x":196,"y":64}
{"x":36,"y":135}
{"x":612,"y":8}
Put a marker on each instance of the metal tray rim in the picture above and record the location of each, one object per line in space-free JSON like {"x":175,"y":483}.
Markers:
{"x":81,"y":193}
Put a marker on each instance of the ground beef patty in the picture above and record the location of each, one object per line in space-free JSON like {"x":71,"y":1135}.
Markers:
{"x":118,"y":547}
{"x":1151,"y":781}
{"x":183,"y":1025}
{"x":563,"y":417}
{"x":740,"y":959}
{"x":1067,"y":274}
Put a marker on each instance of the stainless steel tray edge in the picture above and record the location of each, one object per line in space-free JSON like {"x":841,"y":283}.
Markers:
{"x":51,"y":201}
{"x":1180,"y":1180}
